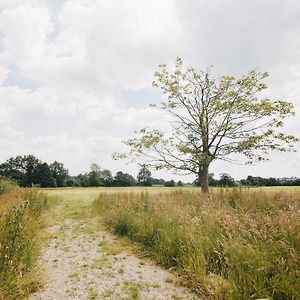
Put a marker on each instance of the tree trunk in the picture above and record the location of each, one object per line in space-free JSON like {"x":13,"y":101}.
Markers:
{"x":203,"y":179}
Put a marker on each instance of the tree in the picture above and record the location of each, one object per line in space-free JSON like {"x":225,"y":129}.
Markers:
{"x":226,"y":180}
{"x":124,"y":179}
{"x":170,"y":183}
{"x":179,"y":183}
{"x":82,"y":179}
{"x":144,"y":176}
{"x":22,"y":169}
{"x":59,"y":173}
{"x":44,"y":176}
{"x":211,"y":119}
{"x":211,"y":180}
{"x":95,"y":176}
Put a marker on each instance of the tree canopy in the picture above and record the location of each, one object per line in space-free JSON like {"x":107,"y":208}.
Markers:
{"x":212,"y":119}
{"x":144,"y":176}
{"x":27,"y":170}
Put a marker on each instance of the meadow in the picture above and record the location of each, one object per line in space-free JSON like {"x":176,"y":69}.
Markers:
{"x":235,"y":244}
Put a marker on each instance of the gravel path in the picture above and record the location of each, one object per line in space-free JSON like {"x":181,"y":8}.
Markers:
{"x":82,"y":263}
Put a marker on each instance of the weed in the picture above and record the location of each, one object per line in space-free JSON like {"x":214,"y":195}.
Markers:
{"x":133,"y":289}
{"x":93,"y":294}
{"x":107,"y":293}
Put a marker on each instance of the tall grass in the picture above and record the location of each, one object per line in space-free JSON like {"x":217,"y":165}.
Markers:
{"x":20,"y":212}
{"x":233,"y":245}
{"x":6,"y":185}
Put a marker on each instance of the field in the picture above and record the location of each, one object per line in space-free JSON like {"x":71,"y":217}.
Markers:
{"x":236,"y":244}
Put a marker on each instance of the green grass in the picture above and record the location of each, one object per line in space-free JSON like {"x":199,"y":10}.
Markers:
{"x":236,"y":244}
{"x":20,"y":223}
{"x":239,"y":244}
{"x":6,"y":185}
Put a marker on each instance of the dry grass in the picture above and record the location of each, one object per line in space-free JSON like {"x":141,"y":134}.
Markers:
{"x":236,"y":244}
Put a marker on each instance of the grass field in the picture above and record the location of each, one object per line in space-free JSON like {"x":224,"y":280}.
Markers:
{"x":236,"y":244}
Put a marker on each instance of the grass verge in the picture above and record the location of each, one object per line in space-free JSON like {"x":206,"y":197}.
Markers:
{"x":233,"y":245}
{"x":20,"y":221}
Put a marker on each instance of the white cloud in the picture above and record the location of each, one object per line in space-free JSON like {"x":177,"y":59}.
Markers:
{"x":82,"y":55}
{"x":3,"y":73}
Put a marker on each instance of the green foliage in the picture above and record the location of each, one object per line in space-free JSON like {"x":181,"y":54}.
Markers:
{"x":170,"y":183}
{"x":226,"y":180}
{"x":19,"y":222}
{"x":212,"y":119}
{"x":21,"y":168}
{"x":44,"y":175}
{"x":233,"y":245}
{"x":28,"y":171}
{"x":59,"y":173}
{"x":123,"y":179}
{"x":144,"y":176}
{"x":6,"y":185}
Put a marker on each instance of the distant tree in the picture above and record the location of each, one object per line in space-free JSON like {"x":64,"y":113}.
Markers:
{"x":22,"y":169}
{"x":59,"y":173}
{"x":211,"y":180}
{"x":71,"y":181}
{"x":144,"y":176}
{"x":157,"y":181}
{"x":180,"y":183}
{"x":296,"y":182}
{"x":271,"y":181}
{"x":124,"y":179}
{"x":212,"y":119}
{"x":95,"y":176}
{"x":244,"y":182}
{"x":107,"y":178}
{"x":99,"y":177}
{"x":226,"y":180}
{"x":82,"y":180}
{"x":44,"y":176}
{"x":170,"y":183}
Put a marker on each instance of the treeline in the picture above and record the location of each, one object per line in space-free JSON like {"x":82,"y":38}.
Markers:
{"x":271,"y":181}
{"x":28,"y":171}
{"x":227,"y":181}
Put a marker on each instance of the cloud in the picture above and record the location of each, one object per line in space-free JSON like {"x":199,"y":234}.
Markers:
{"x":75,"y":76}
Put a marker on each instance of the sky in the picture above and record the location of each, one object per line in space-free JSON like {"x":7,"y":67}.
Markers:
{"x":76,"y":75}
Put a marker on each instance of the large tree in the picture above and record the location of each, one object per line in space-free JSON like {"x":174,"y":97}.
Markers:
{"x":212,"y":119}
{"x":124,"y":179}
{"x":22,"y":169}
{"x":59,"y":172}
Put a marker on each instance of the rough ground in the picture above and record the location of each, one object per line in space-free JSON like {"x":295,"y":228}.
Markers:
{"x":81,"y":262}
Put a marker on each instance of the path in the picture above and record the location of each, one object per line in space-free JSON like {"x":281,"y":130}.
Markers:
{"x":82,"y":261}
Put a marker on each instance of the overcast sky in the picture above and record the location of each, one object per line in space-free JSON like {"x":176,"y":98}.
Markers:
{"x":76,"y":75}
